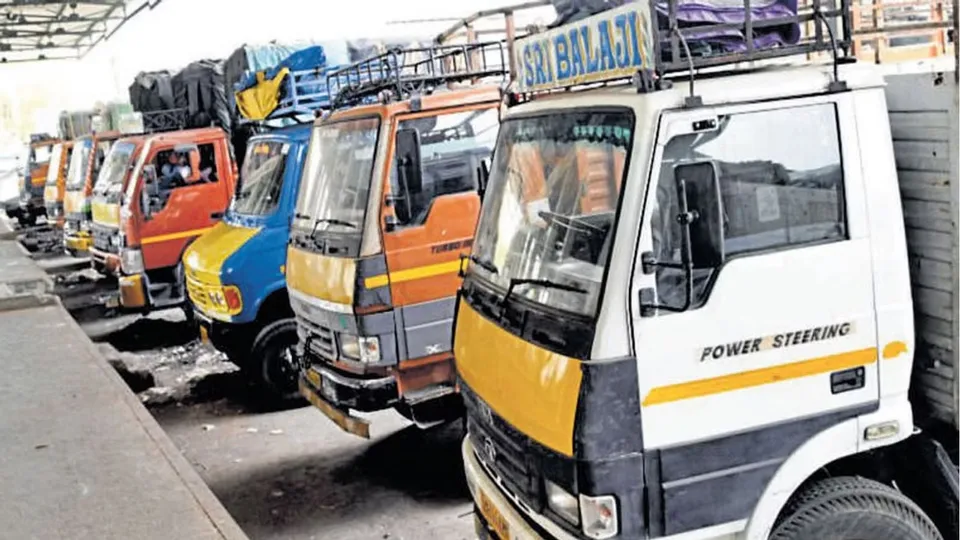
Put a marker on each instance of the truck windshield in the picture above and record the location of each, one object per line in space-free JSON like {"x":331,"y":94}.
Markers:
{"x":40,"y":155}
{"x":114,"y":168}
{"x":79,"y":164}
{"x":546,"y":227}
{"x":261,"y":179}
{"x":336,"y":181}
{"x":54,"y":171}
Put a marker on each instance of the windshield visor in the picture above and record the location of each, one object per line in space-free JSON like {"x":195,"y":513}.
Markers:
{"x":550,"y":209}
{"x":115,"y":166}
{"x":261,"y":179}
{"x":54,"y":171}
{"x":336,"y":182}
{"x":79,"y":163}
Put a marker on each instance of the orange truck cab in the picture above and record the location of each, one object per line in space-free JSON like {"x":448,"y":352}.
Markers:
{"x":34,"y":178}
{"x":89,"y":152}
{"x":178,"y":189}
{"x":56,"y":181}
{"x":386,"y":212}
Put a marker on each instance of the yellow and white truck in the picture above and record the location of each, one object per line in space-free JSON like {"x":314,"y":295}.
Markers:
{"x":715,"y":292}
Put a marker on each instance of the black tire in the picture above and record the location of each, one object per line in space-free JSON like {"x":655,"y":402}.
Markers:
{"x":27,"y":219}
{"x":853,"y":508}
{"x":272,"y":362}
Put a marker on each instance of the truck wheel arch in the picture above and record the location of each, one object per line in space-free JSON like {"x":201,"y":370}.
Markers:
{"x":830,"y":446}
{"x":274,"y":305}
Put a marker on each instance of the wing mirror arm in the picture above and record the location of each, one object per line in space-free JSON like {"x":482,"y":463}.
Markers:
{"x":701,"y":233}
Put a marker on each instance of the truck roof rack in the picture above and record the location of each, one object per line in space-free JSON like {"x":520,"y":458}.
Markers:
{"x":164,"y":120}
{"x":648,"y":40}
{"x":401,"y":73}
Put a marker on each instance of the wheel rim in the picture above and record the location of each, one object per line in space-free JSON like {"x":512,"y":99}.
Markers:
{"x":282,"y":370}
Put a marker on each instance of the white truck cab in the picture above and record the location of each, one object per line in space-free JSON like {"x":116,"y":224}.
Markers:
{"x":721,"y":310}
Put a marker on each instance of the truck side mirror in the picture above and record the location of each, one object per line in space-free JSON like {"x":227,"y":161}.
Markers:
{"x":408,"y":161}
{"x":483,"y":177}
{"x":701,"y":214}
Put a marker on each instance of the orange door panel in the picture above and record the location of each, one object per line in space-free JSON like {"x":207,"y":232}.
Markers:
{"x":185,"y":216}
{"x":423,"y":261}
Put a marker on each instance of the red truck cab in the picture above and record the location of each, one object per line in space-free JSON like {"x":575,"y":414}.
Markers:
{"x":180,"y":186}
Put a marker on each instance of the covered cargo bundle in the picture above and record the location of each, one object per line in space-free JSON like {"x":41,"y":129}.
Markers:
{"x":152,"y":91}
{"x":200,"y":89}
{"x":75,"y":123}
{"x":250,"y":59}
{"x":260,"y":94}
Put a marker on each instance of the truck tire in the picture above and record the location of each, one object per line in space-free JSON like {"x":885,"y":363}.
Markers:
{"x":272,"y":361}
{"x":853,"y":508}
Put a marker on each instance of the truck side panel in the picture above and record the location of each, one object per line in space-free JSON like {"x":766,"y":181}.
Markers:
{"x":924,"y":120}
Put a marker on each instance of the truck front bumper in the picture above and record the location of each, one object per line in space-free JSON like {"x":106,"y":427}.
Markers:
{"x":78,"y":243}
{"x":496,"y":517}
{"x":133,"y":293}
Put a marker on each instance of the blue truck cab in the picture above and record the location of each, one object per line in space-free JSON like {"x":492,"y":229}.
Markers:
{"x":235,"y":272}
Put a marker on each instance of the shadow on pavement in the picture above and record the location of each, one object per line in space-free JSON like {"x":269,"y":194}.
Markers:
{"x":145,"y":334}
{"x":333,"y":488}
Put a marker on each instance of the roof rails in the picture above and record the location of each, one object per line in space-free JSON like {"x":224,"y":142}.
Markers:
{"x":646,"y":41}
{"x":401,"y":73}
{"x":164,"y":120}
{"x":500,"y":24}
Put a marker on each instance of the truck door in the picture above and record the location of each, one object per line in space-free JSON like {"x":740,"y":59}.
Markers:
{"x":189,"y":192}
{"x":432,"y":223}
{"x":778,"y":342}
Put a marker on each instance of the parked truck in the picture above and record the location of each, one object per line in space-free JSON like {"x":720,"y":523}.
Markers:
{"x":56,"y":181}
{"x":89,"y":152}
{"x":716,"y":307}
{"x":235,"y":273}
{"x":178,"y":189}
{"x":386,"y":209}
{"x":33,"y":180}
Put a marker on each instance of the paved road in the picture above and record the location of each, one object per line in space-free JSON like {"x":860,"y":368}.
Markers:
{"x":294,"y":475}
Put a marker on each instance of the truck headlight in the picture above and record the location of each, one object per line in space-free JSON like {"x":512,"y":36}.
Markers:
{"x":563,"y":503}
{"x":364,"y":349}
{"x":131,"y":261}
{"x":599,"y":516}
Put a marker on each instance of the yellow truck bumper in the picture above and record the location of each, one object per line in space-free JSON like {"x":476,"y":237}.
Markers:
{"x":132,"y":294}
{"x":79,"y":243}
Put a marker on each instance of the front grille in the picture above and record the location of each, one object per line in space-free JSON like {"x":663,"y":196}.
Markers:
{"x":319,"y":343}
{"x":504,"y":450}
{"x":101,"y":238}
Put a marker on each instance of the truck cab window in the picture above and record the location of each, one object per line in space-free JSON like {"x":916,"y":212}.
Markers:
{"x":451,"y":148}
{"x":781,"y":183}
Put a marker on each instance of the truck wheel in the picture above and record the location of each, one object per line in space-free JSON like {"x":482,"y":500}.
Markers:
{"x":853,"y":508}
{"x":273,"y":360}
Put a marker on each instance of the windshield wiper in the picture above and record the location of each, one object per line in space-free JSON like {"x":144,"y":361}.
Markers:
{"x":333,"y":221}
{"x":485,"y":264}
{"x":542,"y":283}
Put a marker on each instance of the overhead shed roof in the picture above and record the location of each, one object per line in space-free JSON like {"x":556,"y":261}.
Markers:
{"x":33,"y":30}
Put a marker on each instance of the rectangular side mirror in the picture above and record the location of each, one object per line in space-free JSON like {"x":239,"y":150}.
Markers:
{"x":701,"y":213}
{"x":408,"y":161}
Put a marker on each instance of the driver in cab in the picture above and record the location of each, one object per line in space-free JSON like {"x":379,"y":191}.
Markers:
{"x":174,"y":172}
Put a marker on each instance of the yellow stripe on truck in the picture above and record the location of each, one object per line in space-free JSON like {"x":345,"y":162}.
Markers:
{"x":173,"y":236}
{"x":533,"y":389}
{"x":411,"y":274}
{"x":759,"y":377}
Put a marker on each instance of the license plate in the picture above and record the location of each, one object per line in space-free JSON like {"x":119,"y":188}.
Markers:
{"x":350,"y":424}
{"x":493,"y":516}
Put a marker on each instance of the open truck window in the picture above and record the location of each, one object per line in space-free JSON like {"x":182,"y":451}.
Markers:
{"x":781,"y":185}
{"x":451,"y":148}
{"x":550,"y":208}
{"x":79,"y":162}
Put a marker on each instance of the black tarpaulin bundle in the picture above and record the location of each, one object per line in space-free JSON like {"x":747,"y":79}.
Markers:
{"x":200,"y":89}
{"x":152,"y":91}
